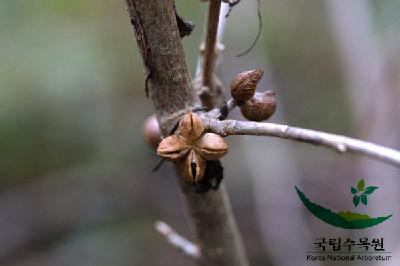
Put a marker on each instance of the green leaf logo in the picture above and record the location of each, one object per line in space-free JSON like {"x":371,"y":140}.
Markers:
{"x":361,"y":185}
{"x":369,"y":190}
{"x":364,"y":199}
{"x":356,"y":200}
{"x":361,"y":192}
{"x":343,"y":219}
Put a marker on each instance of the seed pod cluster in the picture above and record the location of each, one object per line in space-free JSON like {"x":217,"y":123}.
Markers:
{"x":254,"y":106}
{"x":191,"y":147}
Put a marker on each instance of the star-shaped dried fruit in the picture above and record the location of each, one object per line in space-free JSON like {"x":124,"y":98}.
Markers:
{"x":190,"y":147}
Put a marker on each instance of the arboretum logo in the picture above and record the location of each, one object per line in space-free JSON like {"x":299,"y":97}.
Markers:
{"x":346,"y":219}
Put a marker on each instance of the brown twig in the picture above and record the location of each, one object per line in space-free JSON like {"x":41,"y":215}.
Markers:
{"x":338,"y":143}
{"x":208,"y":89}
{"x":210,"y":42}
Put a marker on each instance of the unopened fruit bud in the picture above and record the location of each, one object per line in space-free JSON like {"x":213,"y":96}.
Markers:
{"x":244,"y":85}
{"x":151,"y":131}
{"x":260,"y":107}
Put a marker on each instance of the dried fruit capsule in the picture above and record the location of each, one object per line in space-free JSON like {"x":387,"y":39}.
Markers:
{"x":211,"y":146}
{"x":172,"y":148}
{"x":192,"y":167}
{"x":190,"y":147}
{"x":244,"y":85}
{"x":190,"y":127}
{"x":260,"y":107}
{"x":151,"y":131}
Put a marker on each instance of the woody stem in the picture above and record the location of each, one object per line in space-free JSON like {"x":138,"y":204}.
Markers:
{"x":341,"y":144}
{"x":170,"y":88}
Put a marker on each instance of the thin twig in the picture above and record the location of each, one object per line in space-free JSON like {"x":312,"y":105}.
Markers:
{"x":177,"y":241}
{"x":230,"y":105}
{"x":231,"y":4}
{"x":210,"y":42}
{"x":260,"y":25}
{"x":207,"y":85}
{"x":221,"y":24}
{"x":222,"y":113}
{"x":338,"y":143}
{"x":219,"y":45}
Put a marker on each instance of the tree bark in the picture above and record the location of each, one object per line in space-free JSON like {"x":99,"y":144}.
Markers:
{"x":167,"y":76}
{"x":169,"y":85}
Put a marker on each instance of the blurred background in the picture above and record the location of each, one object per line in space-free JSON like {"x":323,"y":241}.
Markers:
{"x":76,"y":186}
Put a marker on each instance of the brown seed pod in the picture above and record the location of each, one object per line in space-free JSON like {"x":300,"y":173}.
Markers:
{"x":172,"y":148}
{"x":190,"y":127}
{"x":190,"y":148}
{"x":244,"y":85}
{"x":260,"y":107}
{"x":151,"y":131}
{"x":211,"y":146}
{"x":192,"y":167}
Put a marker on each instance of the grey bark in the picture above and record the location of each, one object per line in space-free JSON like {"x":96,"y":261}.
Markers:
{"x":337,"y":143}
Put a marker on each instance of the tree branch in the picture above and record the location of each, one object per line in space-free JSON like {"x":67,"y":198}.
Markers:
{"x":170,"y":88}
{"x":161,"y":49}
{"x":338,"y":143}
{"x":177,"y":241}
{"x":218,"y":235}
{"x":208,"y":86}
{"x":210,"y":43}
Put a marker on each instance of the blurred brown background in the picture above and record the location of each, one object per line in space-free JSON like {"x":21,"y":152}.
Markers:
{"x":76,"y":186}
